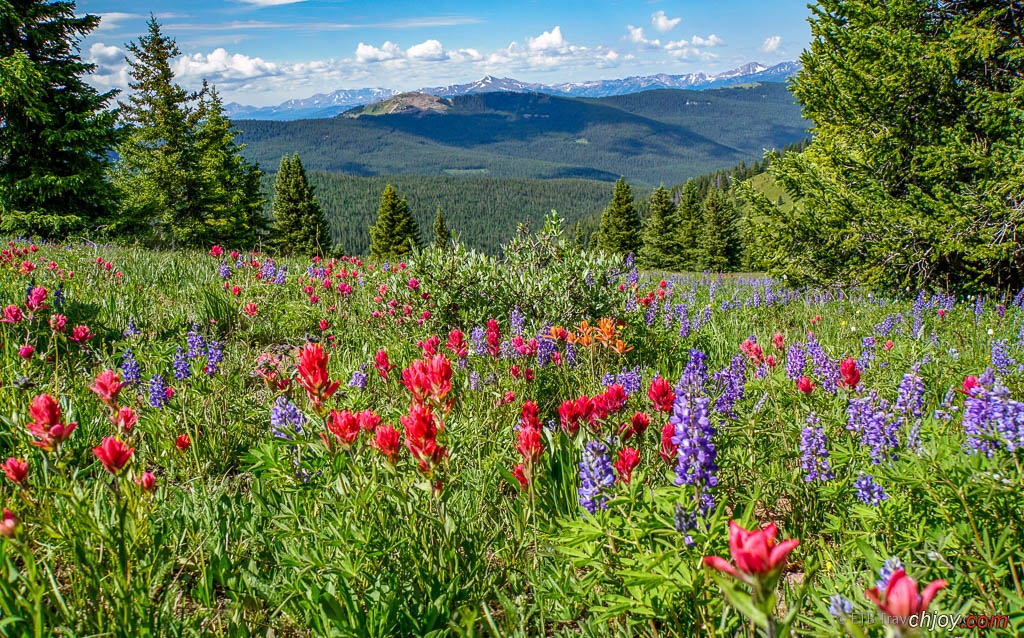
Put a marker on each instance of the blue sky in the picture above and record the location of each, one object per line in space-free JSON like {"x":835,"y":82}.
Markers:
{"x":267,"y":51}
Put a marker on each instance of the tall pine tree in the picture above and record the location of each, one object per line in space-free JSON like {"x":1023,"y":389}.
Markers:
{"x":691,"y":223}
{"x":442,"y":236}
{"x":395,"y":232}
{"x":620,"y":223}
{"x":717,"y":243}
{"x":660,"y":246}
{"x":300,"y":226}
{"x":55,"y":130}
{"x":184,"y":180}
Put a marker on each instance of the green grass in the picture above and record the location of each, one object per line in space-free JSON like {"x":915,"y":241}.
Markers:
{"x":248,"y":533}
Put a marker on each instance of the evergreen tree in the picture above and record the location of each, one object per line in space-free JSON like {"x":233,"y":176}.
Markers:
{"x":300,"y":227}
{"x":914,"y":175}
{"x":55,"y":129}
{"x":660,"y":246}
{"x":182,"y":175}
{"x":689,"y":230}
{"x":395,"y":232}
{"x":717,"y":241}
{"x":442,"y":236}
{"x":620,"y":224}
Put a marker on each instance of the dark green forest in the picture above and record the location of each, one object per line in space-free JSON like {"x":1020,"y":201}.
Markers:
{"x":483,"y":211}
{"x":664,"y":136}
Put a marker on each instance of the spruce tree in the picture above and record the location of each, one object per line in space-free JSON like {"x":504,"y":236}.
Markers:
{"x":55,"y":130}
{"x":442,"y":236}
{"x":691,"y":222}
{"x":395,"y":232}
{"x":660,"y":247}
{"x":620,"y":223}
{"x":300,"y":226}
{"x":913,"y":177}
{"x":716,"y":241}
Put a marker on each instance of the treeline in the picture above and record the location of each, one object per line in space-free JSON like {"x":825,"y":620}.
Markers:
{"x":483,"y":212}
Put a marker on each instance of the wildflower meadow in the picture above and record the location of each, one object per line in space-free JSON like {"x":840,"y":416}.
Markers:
{"x":220,"y":443}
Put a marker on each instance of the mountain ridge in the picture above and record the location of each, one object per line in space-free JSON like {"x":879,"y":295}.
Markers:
{"x":325,"y":105}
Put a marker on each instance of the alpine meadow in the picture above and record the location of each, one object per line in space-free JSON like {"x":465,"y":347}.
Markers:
{"x":651,"y":341}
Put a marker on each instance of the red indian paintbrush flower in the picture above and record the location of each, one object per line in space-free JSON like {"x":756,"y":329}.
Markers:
{"x":901,"y":597}
{"x":628,"y":459}
{"x":429,"y":379}
{"x":389,"y":441}
{"x":250,"y":309}
{"x":344,"y":425}
{"x":183,"y":442}
{"x":888,"y":345}
{"x":636,"y":426}
{"x":26,"y":351}
{"x":36,"y":297}
{"x":107,"y":386}
{"x":81,"y":334}
{"x":12,"y":314}
{"x":753,"y":351}
{"x":850,"y":373}
{"x":113,"y":454}
{"x":805,"y":385}
{"x":493,"y":338}
{"x":147,"y":481}
{"x":520,"y":473}
{"x":661,"y":394}
{"x":17,"y":471}
{"x":755,"y":553}
{"x":313,"y":374}
{"x":421,"y":437}
{"x":969,"y":384}
{"x":9,"y":524}
{"x":457,"y":344}
{"x":530,"y":444}
{"x":382,"y":364}
{"x":778,"y":340}
{"x":530,"y":415}
{"x":368,"y":420}
{"x":125,"y":419}
{"x":569,"y":416}
{"x":46,"y":425}
{"x":669,"y":450}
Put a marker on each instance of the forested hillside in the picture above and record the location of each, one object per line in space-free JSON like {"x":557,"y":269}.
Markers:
{"x":664,"y":136}
{"x":483,"y":211}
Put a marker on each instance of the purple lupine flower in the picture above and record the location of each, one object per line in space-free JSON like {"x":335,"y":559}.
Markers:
{"x":668,"y":318}
{"x":979,"y":309}
{"x":225,"y":270}
{"x":282,"y":276}
{"x":695,"y":375}
{"x":386,"y":267}
{"x":992,"y":419}
{"x":474,"y":380}
{"x":571,"y":355}
{"x":131,"y":330}
{"x":1018,"y":300}
{"x":268,"y":271}
{"x":546,"y":348}
{"x":683,"y":313}
{"x":684,"y":523}
{"x":630,"y":303}
{"x":730,"y":382}
{"x":157,"y":392}
{"x":130,"y":367}
{"x":1001,"y":310}
{"x":589,"y":279}
{"x":596,"y":476}
{"x":910,"y":399}
{"x":1001,"y":359}
{"x":182,"y":369}
{"x":652,"y":311}
{"x":630,"y":380}
{"x":518,"y":321}
{"x":608,"y":379}
{"x":872,"y":419}
{"x":815,"y":454}
{"x":885,"y":328}
{"x":868,"y":491}
{"x":196,"y":342}
{"x":358,"y":380}
{"x":824,"y":367}
{"x":796,"y":361}
{"x":693,"y":434}
{"x":885,"y":572}
{"x":214,"y":356}
{"x":919,"y":307}
{"x":867,"y":353}
{"x":286,"y":416}
{"x":629,"y":259}
{"x":476,"y":335}
{"x":839,"y":606}
{"x":1020,"y":335}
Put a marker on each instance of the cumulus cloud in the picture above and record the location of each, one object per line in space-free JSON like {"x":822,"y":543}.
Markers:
{"x":771,"y":45}
{"x":710,"y":41}
{"x":431,"y":50}
{"x":636,"y":35}
{"x":662,"y":23}
{"x":366,"y":53}
{"x":547,"y":41}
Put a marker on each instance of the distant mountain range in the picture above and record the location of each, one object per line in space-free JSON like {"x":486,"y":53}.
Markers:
{"x":325,"y":105}
{"x":650,"y":137}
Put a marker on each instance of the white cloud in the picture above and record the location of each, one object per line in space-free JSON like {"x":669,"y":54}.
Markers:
{"x":771,"y":44}
{"x":636,"y":35}
{"x":547,"y":41}
{"x":221,"y":67}
{"x":710,"y":41}
{"x":662,"y":23}
{"x":431,"y":50}
{"x":104,"y":55}
{"x":366,"y":53}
